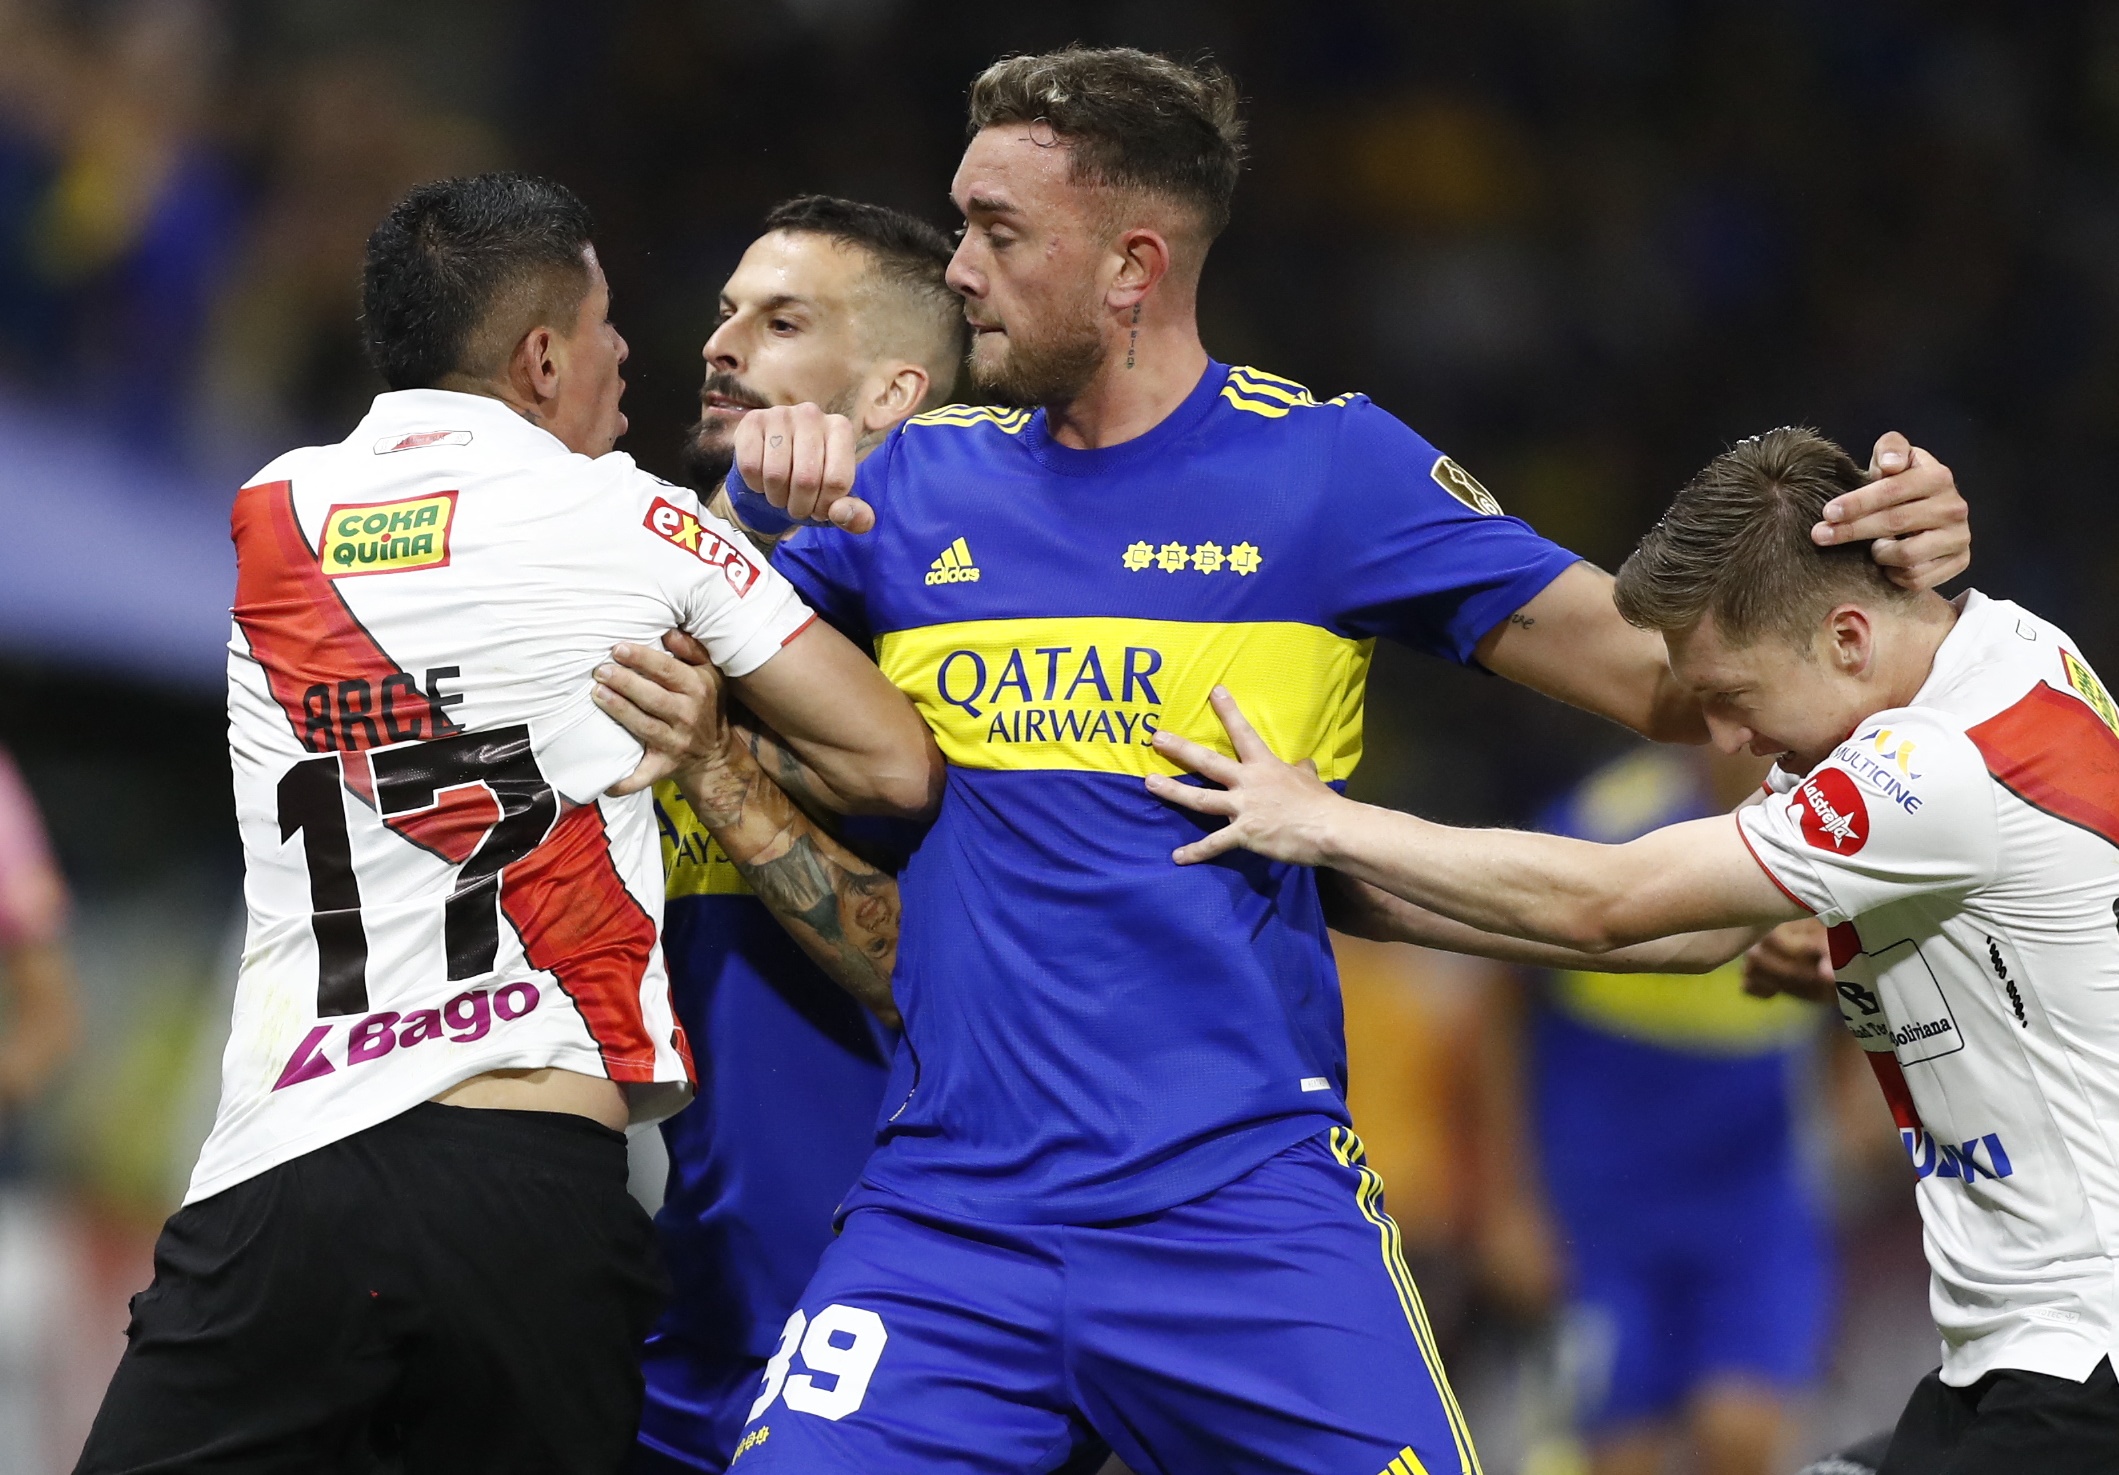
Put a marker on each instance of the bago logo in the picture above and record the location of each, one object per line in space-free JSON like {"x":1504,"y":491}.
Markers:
{"x":673,"y":524}
{"x":1831,"y":812}
{"x":387,"y":537}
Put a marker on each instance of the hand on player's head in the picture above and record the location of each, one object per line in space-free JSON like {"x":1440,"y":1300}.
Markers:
{"x":670,"y":700}
{"x":1912,"y":510}
{"x":1271,"y":806}
{"x":802,"y":460}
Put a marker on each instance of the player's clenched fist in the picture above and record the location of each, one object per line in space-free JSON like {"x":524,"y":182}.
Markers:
{"x":802,"y":461}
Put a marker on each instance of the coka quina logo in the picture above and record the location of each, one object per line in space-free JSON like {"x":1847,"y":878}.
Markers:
{"x":387,"y":537}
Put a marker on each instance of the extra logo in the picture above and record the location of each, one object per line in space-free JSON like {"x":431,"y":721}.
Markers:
{"x":1465,"y":487}
{"x":673,"y":524}
{"x":1831,"y":813}
{"x":954,"y":566}
{"x":1243,"y":559}
{"x":387,"y":537}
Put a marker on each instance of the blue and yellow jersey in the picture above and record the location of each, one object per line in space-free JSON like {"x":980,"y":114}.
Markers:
{"x":791,"y":1071}
{"x":1707,"y":1014}
{"x":1091,"y":1030}
{"x":1643,"y":1081}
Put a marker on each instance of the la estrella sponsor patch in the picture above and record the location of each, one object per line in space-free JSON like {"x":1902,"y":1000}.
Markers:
{"x":387,"y":537}
{"x":1831,"y":812}
{"x":671,"y":523}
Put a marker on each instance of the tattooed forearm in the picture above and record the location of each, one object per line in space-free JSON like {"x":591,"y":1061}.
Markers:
{"x":788,"y":772}
{"x":839,"y":908}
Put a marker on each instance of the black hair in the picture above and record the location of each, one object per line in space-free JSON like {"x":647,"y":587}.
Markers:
{"x":460,"y":269}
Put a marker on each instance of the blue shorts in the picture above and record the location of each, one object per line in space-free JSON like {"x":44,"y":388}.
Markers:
{"x":1659,"y":1318}
{"x":1268,"y":1326}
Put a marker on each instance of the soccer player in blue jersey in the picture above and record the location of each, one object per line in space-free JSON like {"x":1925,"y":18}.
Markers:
{"x":843,"y":304}
{"x":1116,"y":1192}
{"x":1694,"y":1276}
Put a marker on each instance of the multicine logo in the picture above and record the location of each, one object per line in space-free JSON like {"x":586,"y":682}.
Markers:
{"x":1831,"y":812}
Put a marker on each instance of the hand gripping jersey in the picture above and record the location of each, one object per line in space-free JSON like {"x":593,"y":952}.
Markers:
{"x":436,"y":884}
{"x":1091,"y":1031}
{"x":1965,"y":853}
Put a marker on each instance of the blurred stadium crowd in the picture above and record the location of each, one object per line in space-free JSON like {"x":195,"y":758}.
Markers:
{"x":1580,"y":244}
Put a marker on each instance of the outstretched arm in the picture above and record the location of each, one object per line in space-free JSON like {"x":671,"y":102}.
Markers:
{"x":1570,"y":643}
{"x":1587,"y":898}
{"x":1365,"y":910}
{"x":841,"y":910}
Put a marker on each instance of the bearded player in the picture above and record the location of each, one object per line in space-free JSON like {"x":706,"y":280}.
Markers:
{"x":843,"y":304}
{"x":1115,"y":1191}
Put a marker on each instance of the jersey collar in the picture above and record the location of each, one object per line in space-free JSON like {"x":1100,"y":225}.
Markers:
{"x":1143,"y":448}
{"x":489,"y":422}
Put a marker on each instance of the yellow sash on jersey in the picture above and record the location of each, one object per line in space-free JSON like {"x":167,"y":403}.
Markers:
{"x":1709,"y":1012}
{"x":693,"y":863}
{"x":1089,"y":694}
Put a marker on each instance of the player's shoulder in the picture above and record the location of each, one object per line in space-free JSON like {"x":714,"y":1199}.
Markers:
{"x":1374,"y":449}
{"x":1916,"y":761}
{"x":963,"y":425}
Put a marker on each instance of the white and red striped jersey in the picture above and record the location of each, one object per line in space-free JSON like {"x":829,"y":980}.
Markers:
{"x":1964,"y":851}
{"x":437,"y":884}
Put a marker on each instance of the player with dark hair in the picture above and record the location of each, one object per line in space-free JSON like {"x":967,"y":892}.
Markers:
{"x":843,"y":304}
{"x":408,"y":1235}
{"x":1116,"y":1192}
{"x":1946,"y":801}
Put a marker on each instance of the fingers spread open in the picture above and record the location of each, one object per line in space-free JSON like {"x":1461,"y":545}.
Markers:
{"x":1205,"y":848}
{"x":1250,"y":747}
{"x":1191,"y":796}
{"x":1200,"y":759}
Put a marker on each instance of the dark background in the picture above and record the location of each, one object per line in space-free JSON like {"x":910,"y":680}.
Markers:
{"x":1580,"y":244}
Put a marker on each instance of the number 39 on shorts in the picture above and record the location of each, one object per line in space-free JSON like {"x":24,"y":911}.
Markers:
{"x":840,"y":1345}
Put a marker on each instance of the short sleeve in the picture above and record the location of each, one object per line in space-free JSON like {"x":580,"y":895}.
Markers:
{"x":1428,"y":558}
{"x":724,"y":594}
{"x":1902,"y":809}
{"x":32,"y":896}
{"x":829,"y":566}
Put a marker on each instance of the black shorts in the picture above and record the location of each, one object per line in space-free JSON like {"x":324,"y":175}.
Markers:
{"x":455,"y":1290}
{"x":2009,"y":1423}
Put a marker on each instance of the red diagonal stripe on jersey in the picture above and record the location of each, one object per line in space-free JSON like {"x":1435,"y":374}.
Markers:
{"x":2054,"y":753}
{"x":326,"y":671}
{"x":1892,"y":1077}
{"x":579,"y":923}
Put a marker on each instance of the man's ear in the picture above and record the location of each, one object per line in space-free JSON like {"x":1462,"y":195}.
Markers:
{"x":1143,"y":261}
{"x":1850,"y":639}
{"x":896,"y":391}
{"x":534,"y":367}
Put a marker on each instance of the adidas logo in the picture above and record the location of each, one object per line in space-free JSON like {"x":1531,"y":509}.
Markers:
{"x":954,"y":566}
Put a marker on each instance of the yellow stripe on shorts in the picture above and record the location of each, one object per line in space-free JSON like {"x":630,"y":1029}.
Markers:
{"x":1346,"y":1146}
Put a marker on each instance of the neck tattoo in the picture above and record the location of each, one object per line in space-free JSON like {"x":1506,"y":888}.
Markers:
{"x":1133,"y":340}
